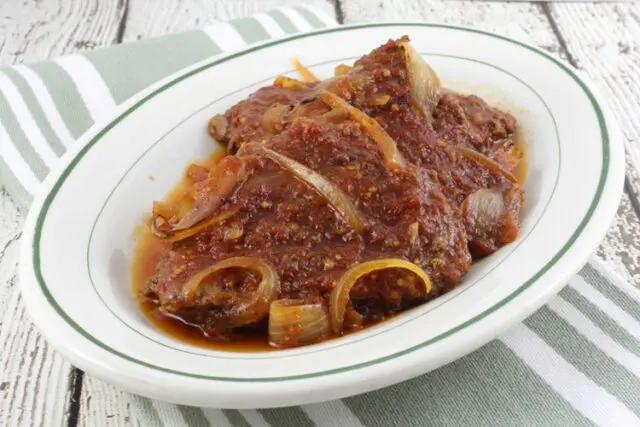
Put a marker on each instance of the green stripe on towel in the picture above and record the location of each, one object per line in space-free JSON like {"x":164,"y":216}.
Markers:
{"x":129,"y":68}
{"x":601,"y":320}
{"x":608,"y":289}
{"x":283,"y":21}
{"x":193,"y":416}
{"x":66,"y":97}
{"x":292,"y":415}
{"x":20,"y":141}
{"x":312,"y":18}
{"x":235,"y":418}
{"x":492,"y":387}
{"x":250,"y":30}
{"x":36,"y":110}
{"x":586,"y":357}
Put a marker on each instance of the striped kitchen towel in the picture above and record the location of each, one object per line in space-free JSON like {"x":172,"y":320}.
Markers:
{"x":46,"y":106}
{"x":574,"y":362}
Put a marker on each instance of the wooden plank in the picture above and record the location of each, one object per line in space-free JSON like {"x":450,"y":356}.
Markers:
{"x":604,"y":41}
{"x":524,"y":21}
{"x":104,"y":404}
{"x":34,"y":379}
{"x":33,"y":30}
{"x":150,"y":18}
{"x":621,"y":247}
{"x":34,"y":384}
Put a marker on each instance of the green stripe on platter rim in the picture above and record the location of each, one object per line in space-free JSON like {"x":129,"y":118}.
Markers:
{"x":335,"y":343}
{"x":67,"y":171}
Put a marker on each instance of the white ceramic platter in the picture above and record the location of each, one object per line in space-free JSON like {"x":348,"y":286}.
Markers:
{"x":77,"y":244}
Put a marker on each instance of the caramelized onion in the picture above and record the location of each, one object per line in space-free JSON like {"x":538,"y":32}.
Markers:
{"x":233,"y":231}
{"x":481,"y":159}
{"x":387,"y":145}
{"x":160,"y":228}
{"x":353,"y":319}
{"x":379,"y":100}
{"x":414,"y":235}
{"x":175,"y":236}
{"x":487,"y":162}
{"x":218,"y":127}
{"x":508,"y":155}
{"x":197,"y":173}
{"x":222,"y":180}
{"x":273,"y":116}
{"x":425,"y":84}
{"x":484,"y":210}
{"x":326,"y":188}
{"x":289,"y":83}
{"x":341,"y":69}
{"x":336,"y":115}
{"x":294,"y":322}
{"x":257,"y":306}
{"x":207,"y":196}
{"x":304,"y":72}
{"x":340,"y":295}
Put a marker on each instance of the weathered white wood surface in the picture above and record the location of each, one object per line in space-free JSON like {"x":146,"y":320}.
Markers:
{"x":34,"y":29}
{"x":521,"y":20}
{"x":33,"y":379}
{"x":104,"y":405}
{"x":150,"y":18}
{"x":602,"y":39}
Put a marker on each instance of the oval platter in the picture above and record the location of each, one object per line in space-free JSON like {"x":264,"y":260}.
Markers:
{"x":78,"y":239}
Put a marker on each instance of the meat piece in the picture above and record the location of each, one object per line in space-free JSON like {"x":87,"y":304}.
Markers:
{"x":322,"y":176}
{"x":292,"y":227}
{"x":245,"y":121}
{"x":423,"y":132}
{"x":433,"y":132}
{"x":467,"y":120}
{"x":450,"y":158}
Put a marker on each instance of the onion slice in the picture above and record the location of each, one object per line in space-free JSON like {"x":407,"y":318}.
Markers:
{"x":326,"y":188}
{"x":340,"y":295}
{"x":487,"y":162}
{"x":289,"y":83}
{"x":295,"y":322}
{"x":304,"y":72}
{"x":425,"y":84}
{"x":387,"y":145}
{"x":173,"y":235}
{"x":341,"y":69}
{"x":484,"y":210}
{"x":223,"y":181}
{"x":252,"y":310}
{"x":481,"y":159}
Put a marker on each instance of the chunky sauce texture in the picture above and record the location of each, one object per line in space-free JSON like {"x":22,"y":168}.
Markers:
{"x":338,"y":204}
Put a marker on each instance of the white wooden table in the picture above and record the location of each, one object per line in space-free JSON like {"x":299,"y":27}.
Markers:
{"x":37,"y":387}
